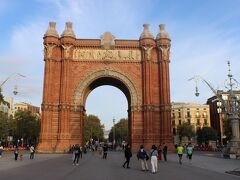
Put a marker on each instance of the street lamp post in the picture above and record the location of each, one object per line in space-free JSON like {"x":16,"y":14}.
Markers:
{"x":114,"y":133}
{"x":15,"y":92}
{"x":220,"y":116}
{"x":231,"y":106}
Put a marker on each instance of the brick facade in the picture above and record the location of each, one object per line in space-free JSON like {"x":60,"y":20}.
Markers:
{"x":74,"y":67}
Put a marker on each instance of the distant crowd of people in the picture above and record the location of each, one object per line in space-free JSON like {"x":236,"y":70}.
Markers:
{"x":18,"y":153}
{"x":154,"y":156}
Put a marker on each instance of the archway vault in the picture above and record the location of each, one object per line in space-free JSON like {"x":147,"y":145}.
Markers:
{"x":107,"y":76}
{"x":74,"y":67}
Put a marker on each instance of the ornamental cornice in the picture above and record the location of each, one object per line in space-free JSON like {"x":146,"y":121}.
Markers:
{"x":62,"y":107}
{"x":53,"y":59}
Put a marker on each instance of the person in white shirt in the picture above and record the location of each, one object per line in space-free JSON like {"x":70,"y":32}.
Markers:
{"x":153,"y":156}
{"x":32,"y":151}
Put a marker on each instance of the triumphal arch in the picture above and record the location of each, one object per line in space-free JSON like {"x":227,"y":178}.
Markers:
{"x":75,"y":66}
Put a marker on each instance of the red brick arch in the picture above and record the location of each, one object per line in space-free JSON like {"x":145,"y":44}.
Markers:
{"x":107,"y":76}
{"x":74,"y":67}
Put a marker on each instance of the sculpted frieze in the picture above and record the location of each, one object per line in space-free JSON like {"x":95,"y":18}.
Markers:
{"x":113,"y":55}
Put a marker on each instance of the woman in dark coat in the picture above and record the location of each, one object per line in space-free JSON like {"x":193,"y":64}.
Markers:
{"x":128,"y":155}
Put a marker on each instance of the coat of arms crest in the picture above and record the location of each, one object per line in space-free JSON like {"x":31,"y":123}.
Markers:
{"x":107,"y":40}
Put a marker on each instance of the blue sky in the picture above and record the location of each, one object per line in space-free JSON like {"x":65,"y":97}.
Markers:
{"x":205,"y":34}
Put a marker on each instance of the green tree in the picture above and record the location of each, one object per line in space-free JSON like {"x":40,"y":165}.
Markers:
{"x":3,"y":126}
{"x":185,"y":130}
{"x":121,"y":131}
{"x":27,"y":127}
{"x":93,"y":129}
{"x":206,"y":134}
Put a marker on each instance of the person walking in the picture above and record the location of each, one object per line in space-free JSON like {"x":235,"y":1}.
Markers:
{"x":81,"y":151}
{"x":16,"y":153}
{"x":159,"y":150}
{"x":180,"y":152}
{"x":142,"y":155}
{"x":153,"y":156}
{"x":77,"y":155}
{"x":128,"y":155}
{"x":189,"y":152}
{"x":105,"y":150}
{"x":32,"y":151}
{"x":165,"y":151}
{"x":1,"y":150}
{"x":73,"y":152}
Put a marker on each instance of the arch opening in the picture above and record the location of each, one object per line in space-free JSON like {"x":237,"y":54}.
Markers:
{"x":106,"y":105}
{"x":102,"y":81}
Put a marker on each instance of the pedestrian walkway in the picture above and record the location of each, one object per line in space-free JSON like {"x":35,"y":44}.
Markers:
{"x":209,"y":161}
{"x":92,"y":166}
{"x":7,"y":160}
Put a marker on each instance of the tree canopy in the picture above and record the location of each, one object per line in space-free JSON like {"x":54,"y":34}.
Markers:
{"x":24,"y":125}
{"x":205,"y":134}
{"x":93,"y":129}
{"x":185,"y":130}
{"x":121,"y":131}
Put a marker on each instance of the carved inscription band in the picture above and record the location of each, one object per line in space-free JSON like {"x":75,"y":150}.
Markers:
{"x":118,"y":55}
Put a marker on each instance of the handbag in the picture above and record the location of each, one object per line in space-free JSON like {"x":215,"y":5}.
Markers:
{"x":147,"y":157}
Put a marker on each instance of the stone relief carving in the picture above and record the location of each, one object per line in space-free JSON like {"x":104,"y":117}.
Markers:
{"x":107,"y":40}
{"x":105,"y":72}
{"x":67,"y":50}
{"x":164,"y":52}
{"x":117,"y":55}
{"x":48,"y":48}
{"x":148,"y":50}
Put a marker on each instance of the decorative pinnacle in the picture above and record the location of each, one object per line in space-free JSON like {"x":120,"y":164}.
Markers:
{"x":68,"y":30}
{"x":51,"y":31}
{"x":146,"y":32}
{"x":162,"y":33}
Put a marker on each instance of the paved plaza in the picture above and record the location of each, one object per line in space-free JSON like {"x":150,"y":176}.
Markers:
{"x":59,"y":167}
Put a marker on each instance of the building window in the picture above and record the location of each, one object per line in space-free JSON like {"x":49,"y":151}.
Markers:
{"x":189,"y":121}
{"x":204,"y":114}
{"x":205,"y":122}
{"x":188,"y":114}
{"x":174,"y":131}
{"x":197,"y":115}
{"x":188,"y":109}
{"x":173,"y":123}
{"x":179,"y":122}
{"x":173,"y":115}
{"x":198,"y":122}
{"x":179,"y":114}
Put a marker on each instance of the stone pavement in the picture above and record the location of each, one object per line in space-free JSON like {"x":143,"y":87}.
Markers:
{"x":93,"y":167}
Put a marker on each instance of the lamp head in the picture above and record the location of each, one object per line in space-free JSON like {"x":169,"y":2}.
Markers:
{"x":197,"y":93}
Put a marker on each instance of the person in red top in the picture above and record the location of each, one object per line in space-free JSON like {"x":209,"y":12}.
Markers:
{"x":159,"y":157}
